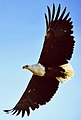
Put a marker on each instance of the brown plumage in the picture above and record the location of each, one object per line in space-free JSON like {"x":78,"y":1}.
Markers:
{"x":57,"y":50}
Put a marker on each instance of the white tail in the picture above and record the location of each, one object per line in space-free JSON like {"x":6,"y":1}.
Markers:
{"x":68,"y":73}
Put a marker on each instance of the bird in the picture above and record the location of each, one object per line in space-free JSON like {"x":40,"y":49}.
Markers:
{"x":53,"y":66}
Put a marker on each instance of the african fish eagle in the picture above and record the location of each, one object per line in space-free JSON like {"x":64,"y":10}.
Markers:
{"x":53,"y":66}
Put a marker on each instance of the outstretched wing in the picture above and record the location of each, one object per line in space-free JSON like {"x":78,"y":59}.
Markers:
{"x":57,"y":50}
{"x":39,"y":91}
{"x":58,"y":44}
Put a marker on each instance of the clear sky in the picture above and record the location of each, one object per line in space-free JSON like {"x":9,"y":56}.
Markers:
{"x":22,"y":30}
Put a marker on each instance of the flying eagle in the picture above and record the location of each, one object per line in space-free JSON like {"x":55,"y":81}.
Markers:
{"x":53,"y":66}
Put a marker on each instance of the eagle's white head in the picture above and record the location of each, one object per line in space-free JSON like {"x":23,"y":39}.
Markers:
{"x":36,"y":69}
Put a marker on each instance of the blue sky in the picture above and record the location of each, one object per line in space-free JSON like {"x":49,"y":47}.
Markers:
{"x":22,"y":30}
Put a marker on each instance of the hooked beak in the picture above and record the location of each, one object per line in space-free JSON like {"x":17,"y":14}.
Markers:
{"x":25,"y":67}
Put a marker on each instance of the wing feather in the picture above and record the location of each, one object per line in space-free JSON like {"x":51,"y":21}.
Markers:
{"x":65,"y":18}
{"x":49,"y":14}
{"x":46,"y":22}
{"x":58,"y":12}
{"x":53,"y":12}
{"x":61,"y":17}
{"x":18,"y":112}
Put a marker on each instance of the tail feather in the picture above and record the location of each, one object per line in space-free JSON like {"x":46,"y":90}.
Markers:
{"x":67,"y":74}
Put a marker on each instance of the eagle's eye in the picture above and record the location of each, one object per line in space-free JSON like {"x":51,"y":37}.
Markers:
{"x":26,"y":65}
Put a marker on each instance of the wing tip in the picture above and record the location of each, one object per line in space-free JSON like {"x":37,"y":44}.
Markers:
{"x":8,"y":111}
{"x":59,"y":16}
{"x":14,"y":111}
